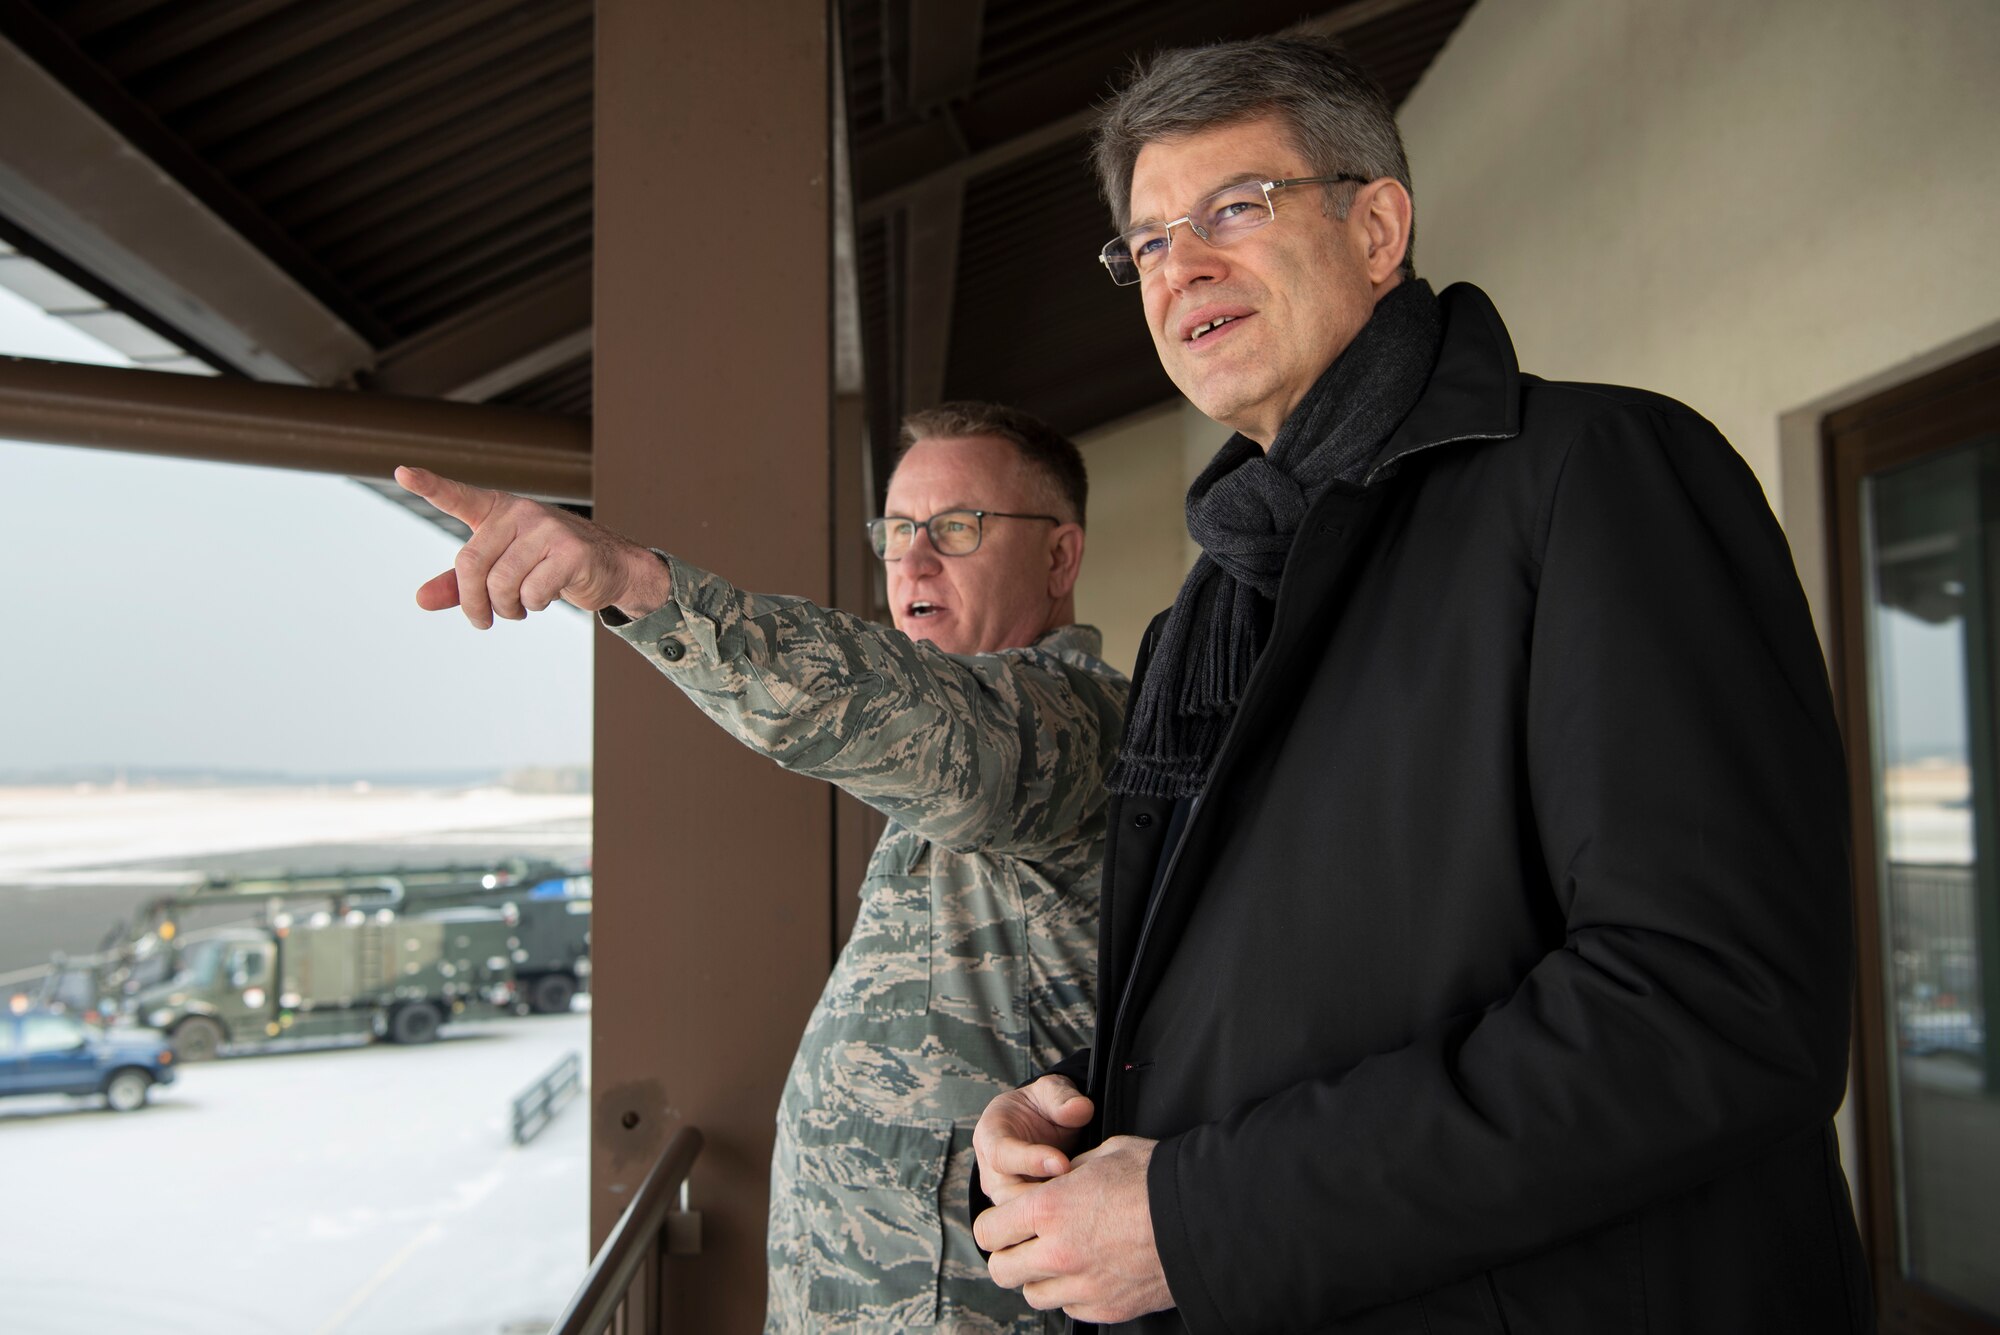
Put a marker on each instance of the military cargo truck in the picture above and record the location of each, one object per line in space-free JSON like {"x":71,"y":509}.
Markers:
{"x":379,"y":974}
{"x":548,"y":904}
{"x":551,"y":915}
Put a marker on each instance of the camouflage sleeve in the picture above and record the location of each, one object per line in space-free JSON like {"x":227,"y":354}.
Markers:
{"x":1005,"y":752}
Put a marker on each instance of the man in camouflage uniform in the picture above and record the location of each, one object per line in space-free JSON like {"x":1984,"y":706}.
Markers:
{"x":982,"y":726}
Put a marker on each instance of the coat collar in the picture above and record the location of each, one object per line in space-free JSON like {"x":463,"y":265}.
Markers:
{"x":1474,"y":392}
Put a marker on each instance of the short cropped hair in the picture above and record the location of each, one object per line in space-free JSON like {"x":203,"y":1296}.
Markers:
{"x":1052,"y":456}
{"x":1338,"y":117}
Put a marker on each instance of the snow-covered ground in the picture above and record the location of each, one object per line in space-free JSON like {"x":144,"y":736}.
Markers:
{"x":358,"y":1191}
{"x":48,"y":835}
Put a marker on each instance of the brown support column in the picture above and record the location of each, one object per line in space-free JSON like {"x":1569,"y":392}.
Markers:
{"x":713,"y":299}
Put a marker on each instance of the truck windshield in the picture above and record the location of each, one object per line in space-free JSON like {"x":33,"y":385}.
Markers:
{"x":199,"y":964}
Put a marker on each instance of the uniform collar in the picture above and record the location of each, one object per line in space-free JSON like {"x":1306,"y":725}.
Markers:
{"x":1073,"y":639}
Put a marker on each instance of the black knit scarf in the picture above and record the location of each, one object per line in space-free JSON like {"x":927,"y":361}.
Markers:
{"x":1244,"y":510}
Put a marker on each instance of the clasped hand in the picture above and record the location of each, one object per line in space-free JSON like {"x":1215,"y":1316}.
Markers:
{"x":1069,"y":1232}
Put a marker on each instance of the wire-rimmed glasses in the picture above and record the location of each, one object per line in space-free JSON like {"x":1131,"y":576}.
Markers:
{"x":1223,"y":217}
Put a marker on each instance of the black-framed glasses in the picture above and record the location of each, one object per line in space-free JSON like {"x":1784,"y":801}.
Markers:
{"x":953,"y":532}
{"x":1223,"y":217}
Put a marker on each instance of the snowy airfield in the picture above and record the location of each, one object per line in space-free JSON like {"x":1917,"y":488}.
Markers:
{"x":359,"y":1190}
{"x":50,"y":835}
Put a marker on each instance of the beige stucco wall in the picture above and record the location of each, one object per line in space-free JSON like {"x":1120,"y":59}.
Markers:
{"x":1753,"y":207}
{"x":1138,"y":550}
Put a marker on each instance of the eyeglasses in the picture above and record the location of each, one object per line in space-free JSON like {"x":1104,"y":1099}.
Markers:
{"x":953,"y":532}
{"x":1224,"y":217}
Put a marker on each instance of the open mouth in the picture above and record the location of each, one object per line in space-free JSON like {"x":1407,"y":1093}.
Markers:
{"x":921,"y":609}
{"x":1195,"y":334}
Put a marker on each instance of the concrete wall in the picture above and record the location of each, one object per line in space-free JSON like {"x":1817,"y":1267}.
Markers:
{"x":1138,"y":549}
{"x":1755,"y":208}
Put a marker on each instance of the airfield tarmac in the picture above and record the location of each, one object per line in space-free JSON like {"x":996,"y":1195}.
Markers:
{"x":346,"y":1190}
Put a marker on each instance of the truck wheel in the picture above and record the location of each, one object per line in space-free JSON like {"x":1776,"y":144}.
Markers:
{"x":551,"y":993}
{"x":126,"y":1090}
{"x":416,"y":1023}
{"x":197,"y":1039}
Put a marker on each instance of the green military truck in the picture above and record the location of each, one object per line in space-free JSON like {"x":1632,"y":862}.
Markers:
{"x":378,"y":973}
{"x":547,"y":903}
{"x":550,"y":909}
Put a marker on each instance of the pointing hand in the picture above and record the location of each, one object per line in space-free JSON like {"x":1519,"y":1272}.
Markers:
{"x":525,"y":555}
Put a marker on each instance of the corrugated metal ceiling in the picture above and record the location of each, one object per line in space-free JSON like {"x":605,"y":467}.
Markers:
{"x":408,"y":161}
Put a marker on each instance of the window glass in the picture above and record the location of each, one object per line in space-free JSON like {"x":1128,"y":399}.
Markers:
{"x":1932,"y":552}
{"x":49,"y":1033}
{"x":240,"y":775}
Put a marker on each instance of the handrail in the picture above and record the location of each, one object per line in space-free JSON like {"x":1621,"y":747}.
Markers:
{"x":537,"y":1105}
{"x":639,"y":1239}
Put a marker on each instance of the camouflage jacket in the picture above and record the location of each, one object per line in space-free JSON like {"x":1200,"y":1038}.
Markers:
{"x":973,"y":960}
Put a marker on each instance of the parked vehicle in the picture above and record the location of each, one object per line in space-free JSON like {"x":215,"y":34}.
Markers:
{"x":203,"y":962}
{"x":378,"y":974}
{"x":551,"y":917}
{"x":75,"y":985}
{"x":548,"y":903}
{"x":52,"y":1052}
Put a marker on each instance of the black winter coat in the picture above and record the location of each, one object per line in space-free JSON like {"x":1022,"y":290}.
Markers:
{"x":1500,"y":982}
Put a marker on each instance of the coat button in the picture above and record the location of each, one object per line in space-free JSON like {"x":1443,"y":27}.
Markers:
{"x":1142,"y":820}
{"x":672,"y":650}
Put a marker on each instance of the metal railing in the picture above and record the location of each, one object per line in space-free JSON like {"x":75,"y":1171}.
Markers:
{"x":623,"y":1293}
{"x":537,"y":1105}
{"x":1934,"y":960}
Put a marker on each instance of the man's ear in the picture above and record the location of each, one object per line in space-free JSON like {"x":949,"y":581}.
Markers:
{"x":1385,"y":213}
{"x":1065,"y":559}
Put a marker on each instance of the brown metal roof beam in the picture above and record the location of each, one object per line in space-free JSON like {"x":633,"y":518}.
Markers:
{"x":529,"y":331}
{"x":147,"y":139}
{"x":976,"y":164}
{"x":1051,"y":103}
{"x":903,"y":164}
{"x":72,"y":180}
{"x":289,"y":426}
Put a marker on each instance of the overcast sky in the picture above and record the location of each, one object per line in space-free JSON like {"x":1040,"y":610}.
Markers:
{"x":168,"y":613}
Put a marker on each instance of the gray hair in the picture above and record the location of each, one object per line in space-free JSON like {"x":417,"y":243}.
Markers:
{"x":1337,"y":116}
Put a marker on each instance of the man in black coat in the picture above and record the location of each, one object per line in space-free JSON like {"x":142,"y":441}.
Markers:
{"x":1475,"y":947}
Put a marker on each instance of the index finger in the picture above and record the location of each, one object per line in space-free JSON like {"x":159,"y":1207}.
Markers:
{"x":466,"y":503}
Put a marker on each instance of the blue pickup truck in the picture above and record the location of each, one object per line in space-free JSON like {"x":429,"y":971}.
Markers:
{"x":47,"y":1052}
